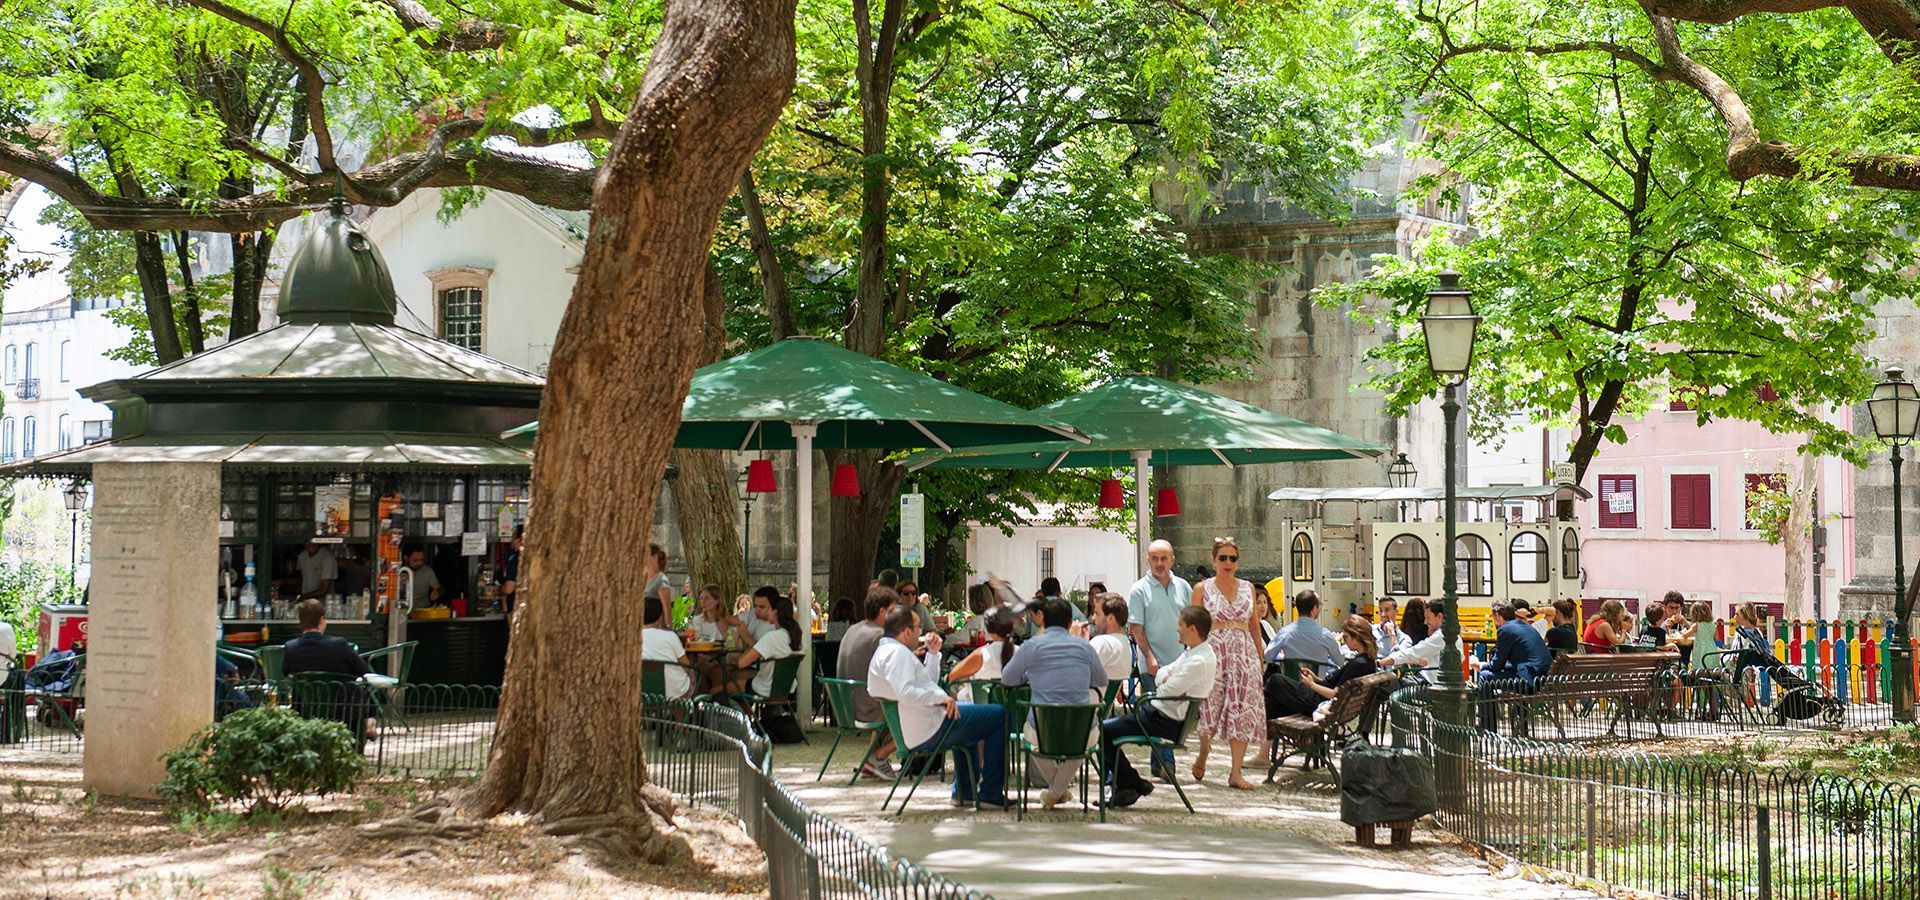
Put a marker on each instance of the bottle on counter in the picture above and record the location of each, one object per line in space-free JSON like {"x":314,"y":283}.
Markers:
{"x":249,"y":598}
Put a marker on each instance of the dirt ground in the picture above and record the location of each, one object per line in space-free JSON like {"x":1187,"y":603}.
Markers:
{"x":57,"y":840}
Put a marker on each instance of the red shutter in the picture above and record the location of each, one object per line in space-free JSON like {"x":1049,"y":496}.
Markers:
{"x":1692,"y":501}
{"x":1618,"y":484}
{"x":1755,"y":483}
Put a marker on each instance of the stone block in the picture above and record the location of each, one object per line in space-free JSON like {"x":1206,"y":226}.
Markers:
{"x":151,"y":625}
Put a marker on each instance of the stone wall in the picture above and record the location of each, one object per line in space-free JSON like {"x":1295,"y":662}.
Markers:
{"x":1870,"y":593}
{"x":1314,"y":360}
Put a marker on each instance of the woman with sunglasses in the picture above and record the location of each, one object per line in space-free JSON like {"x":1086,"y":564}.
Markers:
{"x":1236,"y":710}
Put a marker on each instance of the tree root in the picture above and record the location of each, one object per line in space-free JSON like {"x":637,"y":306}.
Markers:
{"x":614,"y":839}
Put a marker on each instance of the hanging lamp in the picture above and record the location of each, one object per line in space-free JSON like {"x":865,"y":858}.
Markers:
{"x":1113,"y":495}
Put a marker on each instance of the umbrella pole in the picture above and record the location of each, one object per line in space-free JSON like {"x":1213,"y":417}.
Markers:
{"x":1141,"y":485}
{"x":803,"y":434}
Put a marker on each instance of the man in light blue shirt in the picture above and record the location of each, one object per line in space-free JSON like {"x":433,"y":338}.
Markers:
{"x":1153,"y":618}
{"x":1305,"y":639}
{"x":1061,"y":668}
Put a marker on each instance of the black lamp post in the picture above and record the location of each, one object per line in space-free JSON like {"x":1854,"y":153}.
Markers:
{"x":1895,"y":408}
{"x":75,"y":496}
{"x":1401,"y":473}
{"x":746,"y":522}
{"x":1448,"y":326}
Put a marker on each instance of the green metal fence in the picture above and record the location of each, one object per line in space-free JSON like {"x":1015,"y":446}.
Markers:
{"x":1688,"y":828}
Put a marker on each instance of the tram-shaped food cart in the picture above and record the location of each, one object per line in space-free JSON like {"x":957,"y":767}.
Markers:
{"x":1355,"y":545}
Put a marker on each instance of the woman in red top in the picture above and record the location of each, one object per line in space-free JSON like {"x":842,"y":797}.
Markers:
{"x":1608,"y":629}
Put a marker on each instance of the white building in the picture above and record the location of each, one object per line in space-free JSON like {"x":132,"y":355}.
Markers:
{"x":1039,"y":549}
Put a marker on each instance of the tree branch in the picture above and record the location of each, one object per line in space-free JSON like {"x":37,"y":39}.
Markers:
{"x":773,"y":276}
{"x":309,"y":73}
{"x":540,"y":182}
{"x":1749,"y":155}
{"x":466,"y":35}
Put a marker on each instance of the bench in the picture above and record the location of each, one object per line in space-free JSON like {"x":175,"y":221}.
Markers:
{"x":1630,"y":682}
{"x":1355,"y":703}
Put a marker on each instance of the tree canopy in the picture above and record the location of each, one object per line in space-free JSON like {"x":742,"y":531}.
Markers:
{"x":1617,"y":263}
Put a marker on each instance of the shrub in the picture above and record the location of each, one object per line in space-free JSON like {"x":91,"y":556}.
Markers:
{"x":264,"y":756}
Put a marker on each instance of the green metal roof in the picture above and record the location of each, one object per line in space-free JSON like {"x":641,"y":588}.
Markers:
{"x":337,"y":275}
{"x":752,"y":400}
{"x":336,"y":350}
{"x":1179,"y":425}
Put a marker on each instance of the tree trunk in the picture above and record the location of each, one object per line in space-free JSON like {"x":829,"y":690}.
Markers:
{"x":183,"y":257}
{"x":703,"y":497}
{"x":250,"y":253}
{"x":1795,"y":534}
{"x":858,"y":521}
{"x":567,"y":748}
{"x":150,"y":263}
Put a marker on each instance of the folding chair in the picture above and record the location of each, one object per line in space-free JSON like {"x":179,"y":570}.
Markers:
{"x":840,"y":696}
{"x":391,"y":702}
{"x":962,"y":757}
{"x":1187,"y":728}
{"x":1062,"y":732}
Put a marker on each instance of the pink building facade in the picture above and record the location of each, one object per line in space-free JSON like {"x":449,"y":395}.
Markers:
{"x":1669,"y":512}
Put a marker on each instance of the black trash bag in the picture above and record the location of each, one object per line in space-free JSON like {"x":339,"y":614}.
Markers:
{"x":781,"y":727}
{"x":1384,"y":784}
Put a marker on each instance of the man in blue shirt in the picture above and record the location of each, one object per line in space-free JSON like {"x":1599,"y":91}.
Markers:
{"x":1153,"y":618}
{"x":1520,"y":656}
{"x":1060,"y":668}
{"x":1305,"y":639}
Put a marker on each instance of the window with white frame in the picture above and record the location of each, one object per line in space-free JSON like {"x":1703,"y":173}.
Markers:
{"x":6,"y":439}
{"x":12,"y":370}
{"x":64,"y":345}
{"x":64,"y":434}
{"x":460,"y":317}
{"x":29,"y":436}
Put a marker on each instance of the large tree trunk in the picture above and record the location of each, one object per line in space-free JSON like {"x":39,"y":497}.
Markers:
{"x":703,"y":497}
{"x":250,"y":253}
{"x":568,"y":745}
{"x":858,"y":521}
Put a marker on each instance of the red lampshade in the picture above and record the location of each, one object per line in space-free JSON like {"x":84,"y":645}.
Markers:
{"x":1167,"y":503}
{"x":1112,"y":495}
{"x":846,"y":480}
{"x":760,"y":476}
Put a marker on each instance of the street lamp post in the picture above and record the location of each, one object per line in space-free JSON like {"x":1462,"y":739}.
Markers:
{"x":1895,"y":409}
{"x":1401,"y":474}
{"x":746,"y":523}
{"x":75,"y":496}
{"x":1448,"y":326}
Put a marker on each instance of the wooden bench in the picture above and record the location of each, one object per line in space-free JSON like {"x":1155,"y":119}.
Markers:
{"x":1631,"y":683}
{"x":1355,"y":703}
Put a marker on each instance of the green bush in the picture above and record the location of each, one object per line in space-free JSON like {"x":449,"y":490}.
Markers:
{"x":263,"y":756}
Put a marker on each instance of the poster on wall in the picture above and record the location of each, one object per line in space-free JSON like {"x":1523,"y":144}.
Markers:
{"x":332,"y":510}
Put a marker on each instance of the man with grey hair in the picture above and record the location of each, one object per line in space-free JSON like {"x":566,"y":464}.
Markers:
{"x":1153,"y":618}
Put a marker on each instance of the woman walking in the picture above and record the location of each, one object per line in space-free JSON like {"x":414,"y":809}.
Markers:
{"x":1236,"y":710}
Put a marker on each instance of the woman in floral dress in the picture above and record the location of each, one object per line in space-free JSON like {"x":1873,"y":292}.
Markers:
{"x":1236,"y":710}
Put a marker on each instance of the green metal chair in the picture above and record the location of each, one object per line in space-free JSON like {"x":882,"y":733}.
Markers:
{"x":1062,"y":732}
{"x":840,"y":697}
{"x":786,"y":670}
{"x":653,"y":679}
{"x":983,"y":690}
{"x":912,"y":759}
{"x":1187,"y":727}
{"x":391,"y":702}
{"x":272,"y":662}
{"x":336,"y":696}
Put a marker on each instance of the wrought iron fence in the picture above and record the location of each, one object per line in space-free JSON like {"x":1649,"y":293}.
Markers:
{"x":1696,"y":828}
{"x":715,"y":757}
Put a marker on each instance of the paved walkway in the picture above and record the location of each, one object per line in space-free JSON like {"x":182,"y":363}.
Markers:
{"x":1282,"y":840}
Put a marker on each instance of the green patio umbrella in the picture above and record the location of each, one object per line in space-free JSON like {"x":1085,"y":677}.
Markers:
{"x":1139,"y":418}
{"x":803,"y":392}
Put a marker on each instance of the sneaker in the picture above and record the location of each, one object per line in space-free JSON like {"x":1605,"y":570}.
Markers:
{"x":877,"y":770}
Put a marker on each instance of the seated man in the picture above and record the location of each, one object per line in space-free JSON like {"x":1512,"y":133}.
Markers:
{"x":1189,"y":676}
{"x":857,"y":647}
{"x":1060,"y":668}
{"x":316,"y":651}
{"x":1426,"y":653}
{"x":658,"y":643}
{"x":1304,"y":638}
{"x":1520,"y":656}
{"x":1110,"y":636}
{"x":908,"y":673}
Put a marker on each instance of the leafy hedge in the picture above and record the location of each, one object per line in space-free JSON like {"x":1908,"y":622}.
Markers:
{"x":264,"y":756}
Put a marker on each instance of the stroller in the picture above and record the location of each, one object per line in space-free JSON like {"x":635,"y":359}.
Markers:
{"x":1794,"y":697}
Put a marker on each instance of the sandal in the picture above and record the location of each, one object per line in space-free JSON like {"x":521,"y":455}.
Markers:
{"x":1200,"y":770}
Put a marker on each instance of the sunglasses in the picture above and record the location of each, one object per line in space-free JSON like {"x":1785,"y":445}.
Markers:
{"x":1227,"y":558}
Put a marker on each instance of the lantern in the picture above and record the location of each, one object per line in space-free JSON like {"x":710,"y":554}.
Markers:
{"x":760,"y":476}
{"x":1167,"y":502}
{"x":1112,"y":494}
{"x":846,"y":480}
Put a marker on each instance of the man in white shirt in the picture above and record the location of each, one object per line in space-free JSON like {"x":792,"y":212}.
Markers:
{"x":1189,"y":676}
{"x":318,"y":571}
{"x":658,"y":643}
{"x":1425,"y":654}
{"x":1386,"y":628}
{"x":1110,"y":637}
{"x":908,"y":673}
{"x":752,"y":627}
